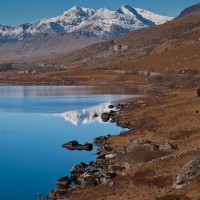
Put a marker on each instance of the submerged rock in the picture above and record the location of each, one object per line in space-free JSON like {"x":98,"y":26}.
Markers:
{"x":39,"y":194}
{"x":188,"y":172}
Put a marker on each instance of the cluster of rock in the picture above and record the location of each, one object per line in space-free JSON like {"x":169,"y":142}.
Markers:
{"x":111,"y":116}
{"x":83,"y":175}
{"x":104,"y":169}
{"x":165,"y":146}
{"x":187,"y":173}
{"x":74,"y":145}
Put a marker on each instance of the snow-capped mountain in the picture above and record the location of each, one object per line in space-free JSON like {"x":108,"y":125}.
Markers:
{"x":102,"y":23}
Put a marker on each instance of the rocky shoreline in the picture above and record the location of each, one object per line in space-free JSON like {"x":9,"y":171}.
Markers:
{"x":171,"y":159}
{"x":93,"y":173}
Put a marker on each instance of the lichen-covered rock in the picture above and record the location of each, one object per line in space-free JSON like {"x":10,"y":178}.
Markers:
{"x":188,"y":172}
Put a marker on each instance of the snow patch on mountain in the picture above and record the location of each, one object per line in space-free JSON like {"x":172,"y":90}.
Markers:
{"x":157,"y":19}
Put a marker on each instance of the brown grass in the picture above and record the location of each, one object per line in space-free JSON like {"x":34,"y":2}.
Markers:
{"x":147,"y":177}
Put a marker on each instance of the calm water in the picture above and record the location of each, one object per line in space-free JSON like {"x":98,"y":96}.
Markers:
{"x":34,"y":123}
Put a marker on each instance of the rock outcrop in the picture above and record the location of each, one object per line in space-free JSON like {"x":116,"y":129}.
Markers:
{"x":188,"y":172}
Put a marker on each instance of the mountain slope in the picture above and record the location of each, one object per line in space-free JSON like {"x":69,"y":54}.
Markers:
{"x":40,"y":45}
{"x":190,"y":10}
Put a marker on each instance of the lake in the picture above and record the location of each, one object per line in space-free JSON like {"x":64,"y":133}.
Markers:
{"x":34,"y":122}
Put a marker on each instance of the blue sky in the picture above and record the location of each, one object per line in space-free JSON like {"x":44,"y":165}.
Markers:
{"x":13,"y":12}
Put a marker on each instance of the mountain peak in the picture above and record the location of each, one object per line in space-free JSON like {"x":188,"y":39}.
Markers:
{"x":75,"y":9}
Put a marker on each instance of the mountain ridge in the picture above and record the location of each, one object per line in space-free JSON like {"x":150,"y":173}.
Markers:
{"x":102,"y":23}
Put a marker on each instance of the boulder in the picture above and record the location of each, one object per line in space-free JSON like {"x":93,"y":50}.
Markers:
{"x":95,"y":115}
{"x":87,"y":178}
{"x":63,"y":183}
{"x":124,"y":124}
{"x":99,"y":141}
{"x":188,"y":172}
{"x":101,"y":158}
{"x":105,"y":117}
{"x":74,"y":145}
{"x":111,"y":106}
{"x":121,"y":105}
{"x":104,"y":150}
{"x":77,"y":170}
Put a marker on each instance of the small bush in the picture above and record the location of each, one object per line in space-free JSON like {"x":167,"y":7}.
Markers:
{"x":173,"y":197}
{"x":147,"y":122}
{"x":198,"y":92}
{"x":174,"y":81}
{"x":180,"y":135}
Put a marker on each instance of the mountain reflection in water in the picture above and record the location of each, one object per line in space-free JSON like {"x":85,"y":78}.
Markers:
{"x":85,"y":116}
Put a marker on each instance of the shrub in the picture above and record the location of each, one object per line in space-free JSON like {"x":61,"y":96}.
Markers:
{"x":198,"y":92}
{"x":147,"y":177}
{"x":173,"y":197}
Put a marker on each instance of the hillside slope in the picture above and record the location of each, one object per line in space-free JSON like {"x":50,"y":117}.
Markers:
{"x":180,"y":33}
